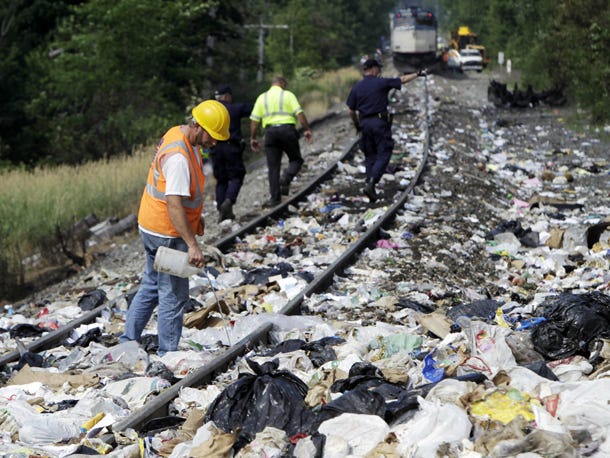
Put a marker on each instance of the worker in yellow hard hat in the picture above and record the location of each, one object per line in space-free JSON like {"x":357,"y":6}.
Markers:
{"x":171,"y":215}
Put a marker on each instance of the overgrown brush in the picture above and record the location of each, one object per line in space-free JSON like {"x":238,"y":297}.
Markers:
{"x":35,"y":205}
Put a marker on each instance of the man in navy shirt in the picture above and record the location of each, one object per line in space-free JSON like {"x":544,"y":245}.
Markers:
{"x":227,"y":157}
{"x":368,"y":109}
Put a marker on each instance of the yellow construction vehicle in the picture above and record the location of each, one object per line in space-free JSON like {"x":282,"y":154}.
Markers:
{"x":464,"y":38}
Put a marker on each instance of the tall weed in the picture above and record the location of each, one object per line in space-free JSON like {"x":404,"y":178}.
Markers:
{"x":34,"y":205}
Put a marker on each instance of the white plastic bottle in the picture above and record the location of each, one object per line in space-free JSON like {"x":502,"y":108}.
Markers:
{"x":174,"y":262}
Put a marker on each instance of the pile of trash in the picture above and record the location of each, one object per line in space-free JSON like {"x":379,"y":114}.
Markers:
{"x":500,"y":96}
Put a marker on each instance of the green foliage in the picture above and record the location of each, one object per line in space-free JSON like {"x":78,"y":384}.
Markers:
{"x":325,"y":35}
{"x":24,"y":26}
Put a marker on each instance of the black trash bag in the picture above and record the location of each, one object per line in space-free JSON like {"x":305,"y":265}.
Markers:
{"x":63,"y":405}
{"x":286,"y":346}
{"x":359,"y":374}
{"x":319,"y":351}
{"x":484,"y":310}
{"x":284,"y":268}
{"x":26,"y":330}
{"x":191,"y":305}
{"x":84,"y":450}
{"x":213,"y":271}
{"x":92,"y":299}
{"x":574,"y":322}
{"x":259,"y":276}
{"x":92,"y":335}
{"x":540,"y":368}
{"x":284,"y":251}
{"x":31,"y":359}
{"x":150,"y":343}
{"x":269,"y":397}
{"x":365,"y":376}
{"x":527,"y":237}
{"x":156,"y":425}
{"x":158,"y":369}
{"x":505,"y":226}
{"x":413,"y":305}
{"x":360,"y":401}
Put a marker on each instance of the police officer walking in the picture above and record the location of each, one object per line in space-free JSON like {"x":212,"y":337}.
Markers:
{"x":278,"y":111}
{"x":227,"y":157}
{"x":368,"y":109}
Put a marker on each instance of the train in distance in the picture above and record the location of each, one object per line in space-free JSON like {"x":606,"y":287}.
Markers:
{"x":413,"y":38}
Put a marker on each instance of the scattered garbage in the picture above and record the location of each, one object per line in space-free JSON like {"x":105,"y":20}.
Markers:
{"x":500,"y":96}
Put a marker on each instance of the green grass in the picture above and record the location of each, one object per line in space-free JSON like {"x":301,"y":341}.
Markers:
{"x":35,"y":204}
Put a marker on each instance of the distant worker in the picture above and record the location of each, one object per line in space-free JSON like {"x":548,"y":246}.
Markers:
{"x":368,"y":109}
{"x":171,"y":215}
{"x":227,"y":157}
{"x":278,"y":111}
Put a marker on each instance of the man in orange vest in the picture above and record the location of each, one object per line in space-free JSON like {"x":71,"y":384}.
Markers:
{"x":171,"y":215}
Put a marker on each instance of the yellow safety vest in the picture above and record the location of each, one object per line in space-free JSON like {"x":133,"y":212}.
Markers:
{"x":276,"y":106}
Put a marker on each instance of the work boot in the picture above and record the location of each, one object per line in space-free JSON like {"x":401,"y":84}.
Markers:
{"x":369,"y":190}
{"x":284,"y":186}
{"x":226,"y":210}
{"x":271,"y":203}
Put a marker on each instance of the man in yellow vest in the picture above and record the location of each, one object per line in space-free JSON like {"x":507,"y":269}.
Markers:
{"x":171,"y":215}
{"x":278,"y":111}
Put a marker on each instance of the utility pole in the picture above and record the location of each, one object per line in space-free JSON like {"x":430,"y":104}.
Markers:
{"x":261,"y":42}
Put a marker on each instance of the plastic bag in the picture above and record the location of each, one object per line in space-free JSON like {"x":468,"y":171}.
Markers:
{"x":266,"y":398}
{"x":434,"y":424}
{"x":573,"y":322}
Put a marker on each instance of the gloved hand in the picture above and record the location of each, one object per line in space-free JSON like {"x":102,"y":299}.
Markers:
{"x":357,"y":127}
{"x":422,"y":72}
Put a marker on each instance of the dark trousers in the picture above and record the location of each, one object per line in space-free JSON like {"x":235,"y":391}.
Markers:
{"x":377,"y":144}
{"x":278,"y":140}
{"x":229,"y":170}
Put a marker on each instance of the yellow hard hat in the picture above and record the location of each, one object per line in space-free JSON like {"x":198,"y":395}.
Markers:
{"x":214,"y":118}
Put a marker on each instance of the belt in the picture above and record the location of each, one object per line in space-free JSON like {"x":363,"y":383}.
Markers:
{"x":270,"y":126}
{"x":383,"y":115}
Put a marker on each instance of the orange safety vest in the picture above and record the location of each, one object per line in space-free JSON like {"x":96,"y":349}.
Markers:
{"x":153,"y":214}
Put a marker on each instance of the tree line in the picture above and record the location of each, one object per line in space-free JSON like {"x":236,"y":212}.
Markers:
{"x":86,"y":79}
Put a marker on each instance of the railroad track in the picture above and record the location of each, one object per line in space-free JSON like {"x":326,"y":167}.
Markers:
{"x":327,"y":205}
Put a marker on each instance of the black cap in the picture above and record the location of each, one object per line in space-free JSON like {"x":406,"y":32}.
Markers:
{"x":370,"y":63}
{"x":223,"y":89}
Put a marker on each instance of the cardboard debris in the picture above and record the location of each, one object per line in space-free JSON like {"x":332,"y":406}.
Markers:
{"x":54,"y":380}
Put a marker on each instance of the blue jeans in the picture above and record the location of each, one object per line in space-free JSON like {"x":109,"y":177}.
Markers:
{"x":168,"y":291}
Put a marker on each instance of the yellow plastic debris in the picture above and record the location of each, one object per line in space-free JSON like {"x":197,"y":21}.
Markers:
{"x":499,"y":319}
{"x":505,"y":406}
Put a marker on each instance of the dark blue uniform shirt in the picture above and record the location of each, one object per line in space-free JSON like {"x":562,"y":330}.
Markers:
{"x":237,"y":111}
{"x":370,"y":95}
